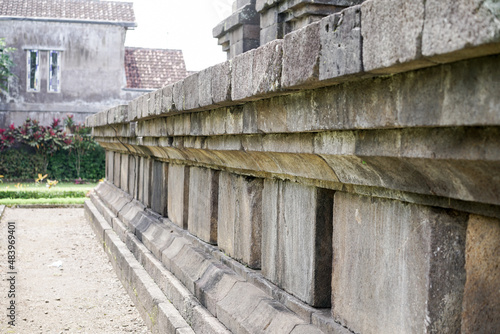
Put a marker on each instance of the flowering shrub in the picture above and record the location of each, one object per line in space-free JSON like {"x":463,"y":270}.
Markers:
{"x":7,"y":137}
{"x":32,"y":148}
{"x":46,"y":140}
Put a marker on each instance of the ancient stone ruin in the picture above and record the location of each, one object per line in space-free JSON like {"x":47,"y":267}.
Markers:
{"x":338,"y":174}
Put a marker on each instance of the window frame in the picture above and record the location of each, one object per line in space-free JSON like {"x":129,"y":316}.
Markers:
{"x":50,"y":85}
{"x":30,"y":73}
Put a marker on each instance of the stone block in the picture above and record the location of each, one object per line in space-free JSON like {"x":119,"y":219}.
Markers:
{"x":178,"y":95}
{"x":124,"y":172}
{"x":170,"y":321}
{"x":221,"y":83}
{"x":266,"y":69}
{"x":191,"y":92}
{"x":272,"y":317}
{"x":117,"y":169}
{"x":178,"y":194}
{"x":392,"y":45}
{"x":340,"y":36}
{"x":131,"y":213}
{"x":205,"y":87}
{"x":301,"y":51}
{"x":154,"y":103}
{"x":189,"y":265}
{"x":214,"y":285}
{"x":133,"y":169}
{"x":240,"y":218}
{"x":171,"y":251}
{"x":481,"y":305}
{"x":398,"y":267}
{"x":156,"y":236}
{"x":110,"y":160}
{"x":270,"y":33}
{"x":296,"y":239}
{"x":132,"y":110}
{"x":145,"y":181}
{"x":159,"y":185}
{"x":241,"y":76}
{"x":238,"y":304}
{"x":167,"y":102}
{"x":203,"y":203}
{"x":455,"y":30}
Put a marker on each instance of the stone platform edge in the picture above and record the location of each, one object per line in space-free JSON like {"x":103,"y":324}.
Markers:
{"x":342,"y":47}
{"x":210,"y":291}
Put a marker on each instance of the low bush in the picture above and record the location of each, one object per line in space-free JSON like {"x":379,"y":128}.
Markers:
{"x":30,"y":149}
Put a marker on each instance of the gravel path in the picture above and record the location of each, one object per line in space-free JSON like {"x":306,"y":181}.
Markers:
{"x":64,"y":281}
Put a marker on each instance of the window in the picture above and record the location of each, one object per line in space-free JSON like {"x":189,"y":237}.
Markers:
{"x":33,"y":70}
{"x":54,"y":85}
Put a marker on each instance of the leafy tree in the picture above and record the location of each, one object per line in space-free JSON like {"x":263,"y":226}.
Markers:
{"x":6,"y":64}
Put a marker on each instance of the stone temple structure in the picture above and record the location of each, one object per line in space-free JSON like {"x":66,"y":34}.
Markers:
{"x":340,"y":173}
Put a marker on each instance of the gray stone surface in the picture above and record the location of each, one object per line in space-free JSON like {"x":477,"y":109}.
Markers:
{"x":341,"y":46}
{"x":203,"y":203}
{"x":178,"y":194}
{"x":191,"y":92}
{"x":159,"y":185}
{"x":117,"y":169}
{"x":170,"y":321}
{"x":110,"y":160}
{"x":132,"y":172}
{"x":124,"y":172}
{"x":296,"y":239}
{"x":272,"y":317}
{"x":241,"y":76}
{"x":167,"y":103}
{"x":469,"y":29}
{"x":392,"y":45}
{"x":481,"y":296}
{"x":240,"y":218}
{"x":398,"y":267}
{"x":214,"y":285}
{"x":267,"y":69}
{"x":189,"y":265}
{"x":234,"y":308}
{"x":301,"y":52}
{"x":221,"y":83}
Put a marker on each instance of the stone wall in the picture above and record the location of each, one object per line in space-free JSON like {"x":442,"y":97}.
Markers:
{"x":343,"y":179}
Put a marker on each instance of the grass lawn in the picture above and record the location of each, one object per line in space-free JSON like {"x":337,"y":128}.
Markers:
{"x":29,"y":193}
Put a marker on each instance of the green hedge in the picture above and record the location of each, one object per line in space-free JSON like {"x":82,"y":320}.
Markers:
{"x":21,"y":164}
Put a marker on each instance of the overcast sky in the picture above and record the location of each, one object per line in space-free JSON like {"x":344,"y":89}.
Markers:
{"x":180,"y":24}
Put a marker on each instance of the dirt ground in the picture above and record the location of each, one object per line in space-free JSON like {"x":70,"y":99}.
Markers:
{"x":64,"y":282}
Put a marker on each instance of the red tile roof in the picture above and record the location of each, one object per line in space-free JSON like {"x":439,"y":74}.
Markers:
{"x":153,"y":68}
{"x":84,"y":10}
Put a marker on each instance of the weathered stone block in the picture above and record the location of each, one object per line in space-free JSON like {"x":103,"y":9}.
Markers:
{"x":133,"y":169}
{"x":159,"y":193}
{"x":398,"y":268}
{"x":117,"y":169}
{"x":221,"y":83}
{"x":178,"y":95}
{"x":146,"y":171}
{"x":110,"y":160}
{"x":238,"y":304}
{"x":301,"y":51}
{"x":205,"y":87}
{"x":266,"y":69}
{"x":481,"y":305}
{"x":214,"y":285}
{"x":240,"y":218}
{"x":203,"y":203}
{"x":270,"y":33}
{"x":191,"y":92}
{"x":167,"y":102}
{"x":241,"y":76}
{"x":296,"y":239}
{"x":391,"y":46}
{"x":124,"y":172}
{"x":178,"y":194}
{"x":340,"y":36}
{"x":455,"y":30}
